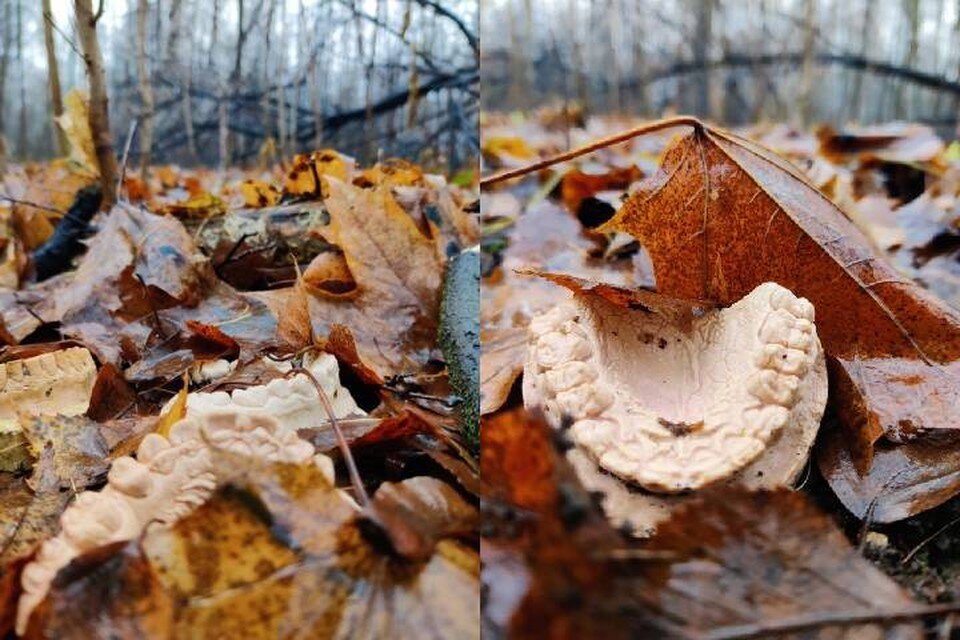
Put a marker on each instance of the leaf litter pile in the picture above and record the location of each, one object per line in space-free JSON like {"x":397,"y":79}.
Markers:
{"x":719,"y":379}
{"x":207,"y":330}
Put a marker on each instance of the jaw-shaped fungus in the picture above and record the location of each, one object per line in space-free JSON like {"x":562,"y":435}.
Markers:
{"x":59,"y":382}
{"x":170,"y":476}
{"x":673,"y":406}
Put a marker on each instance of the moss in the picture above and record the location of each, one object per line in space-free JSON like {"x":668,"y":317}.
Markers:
{"x":459,"y":338}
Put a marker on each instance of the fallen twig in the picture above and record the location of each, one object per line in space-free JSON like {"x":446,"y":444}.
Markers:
{"x":817,"y":620}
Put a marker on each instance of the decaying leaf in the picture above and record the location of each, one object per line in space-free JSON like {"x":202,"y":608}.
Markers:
{"x":756,"y":561}
{"x":74,"y":448}
{"x":393,"y":314}
{"x":731,"y":561}
{"x":276,"y":554}
{"x":259,"y":194}
{"x":724,"y":215}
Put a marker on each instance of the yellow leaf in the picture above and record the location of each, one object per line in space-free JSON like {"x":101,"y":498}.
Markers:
{"x":176,"y":412}
{"x":203,"y":205}
{"x":500,"y":146}
{"x":392,"y":173}
{"x":306,"y":169}
{"x":259,"y":194}
{"x":76,"y":126}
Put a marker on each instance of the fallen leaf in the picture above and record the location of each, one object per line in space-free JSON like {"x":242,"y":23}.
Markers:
{"x":541,"y":576}
{"x":204,"y":205}
{"x":175,"y":413}
{"x":578,"y":184}
{"x":279,"y":553}
{"x":393,"y":314}
{"x":75,"y":123}
{"x":507,"y":149}
{"x":758,"y":560}
{"x":259,"y":194}
{"x":309,"y":173}
{"x":393,"y":172}
{"x":72,"y":446}
{"x":111,"y":592}
{"x":111,"y":396}
{"x":419,"y":512}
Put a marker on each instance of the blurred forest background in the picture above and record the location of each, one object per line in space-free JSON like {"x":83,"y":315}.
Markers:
{"x":733,"y":61}
{"x":222,"y":82}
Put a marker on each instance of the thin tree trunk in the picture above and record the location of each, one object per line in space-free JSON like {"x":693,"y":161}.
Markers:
{"x":809,"y":41}
{"x":4,"y":59}
{"x":146,"y":90}
{"x":701,"y":47}
{"x":53,"y":74}
{"x":99,"y":107}
{"x":22,"y":137}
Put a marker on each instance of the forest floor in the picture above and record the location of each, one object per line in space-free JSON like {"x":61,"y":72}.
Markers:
{"x":891,"y":488}
{"x":254,"y":355}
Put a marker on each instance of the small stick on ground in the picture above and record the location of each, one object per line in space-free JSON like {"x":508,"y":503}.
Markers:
{"x":352,"y":470}
{"x":766,"y":629}
{"x":651,"y":127}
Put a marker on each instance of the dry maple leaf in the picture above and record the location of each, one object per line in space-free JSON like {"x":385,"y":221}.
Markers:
{"x":392,"y":313}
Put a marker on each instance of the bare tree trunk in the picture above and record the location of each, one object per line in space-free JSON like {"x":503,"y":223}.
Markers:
{"x":22,"y":137}
{"x":173,"y":38}
{"x":809,"y":41}
{"x":701,"y":47}
{"x":99,"y":107}
{"x":224,"y":129}
{"x":53,"y":74}
{"x":146,"y":90}
{"x":4,"y":59}
{"x":866,"y":27}
{"x":912,"y":10}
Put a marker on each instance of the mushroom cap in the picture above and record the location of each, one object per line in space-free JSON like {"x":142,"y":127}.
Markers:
{"x":673,"y":406}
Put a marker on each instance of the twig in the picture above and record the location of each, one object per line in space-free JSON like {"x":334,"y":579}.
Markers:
{"x":27,"y":203}
{"x":126,"y":153}
{"x":927,"y":540}
{"x":650,"y":127}
{"x":803,"y":622}
{"x":69,"y":41}
{"x":352,"y":470}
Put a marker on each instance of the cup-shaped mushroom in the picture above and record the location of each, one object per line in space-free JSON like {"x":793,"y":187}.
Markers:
{"x":673,"y":406}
